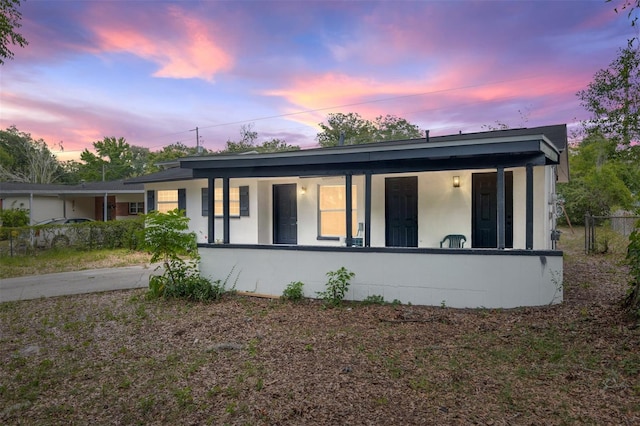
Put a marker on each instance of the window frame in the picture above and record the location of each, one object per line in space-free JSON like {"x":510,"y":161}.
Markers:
{"x":138,"y":207}
{"x":354,"y":212}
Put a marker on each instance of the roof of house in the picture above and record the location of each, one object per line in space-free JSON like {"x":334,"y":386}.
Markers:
{"x":506,"y":148}
{"x":166,"y":175}
{"x":502,"y":148}
{"x":86,"y":189}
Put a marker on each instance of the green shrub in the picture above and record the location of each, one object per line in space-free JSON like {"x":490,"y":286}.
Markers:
{"x":337,"y":286}
{"x":12,"y":218}
{"x":374,"y":299}
{"x":166,"y":236}
{"x":293,"y":291}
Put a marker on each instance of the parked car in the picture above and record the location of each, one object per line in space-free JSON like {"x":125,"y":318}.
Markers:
{"x":55,"y":232}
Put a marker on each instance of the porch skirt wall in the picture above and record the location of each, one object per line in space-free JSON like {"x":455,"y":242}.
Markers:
{"x":460,"y":280}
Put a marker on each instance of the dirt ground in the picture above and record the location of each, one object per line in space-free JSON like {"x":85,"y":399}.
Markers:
{"x":118,"y":358}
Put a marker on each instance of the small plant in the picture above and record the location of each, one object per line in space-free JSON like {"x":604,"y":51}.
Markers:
{"x":374,"y":299}
{"x":336,"y":287}
{"x":293,"y":291}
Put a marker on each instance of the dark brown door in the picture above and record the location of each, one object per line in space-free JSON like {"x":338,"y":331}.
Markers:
{"x":285,"y":214}
{"x":401,"y":212}
{"x":484,"y":232}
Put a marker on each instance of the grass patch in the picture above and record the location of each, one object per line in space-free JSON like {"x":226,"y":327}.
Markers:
{"x":64,"y":260}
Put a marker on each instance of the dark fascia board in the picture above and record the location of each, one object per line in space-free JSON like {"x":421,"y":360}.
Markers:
{"x":377,"y":167}
{"x":17,"y":189}
{"x":511,"y":151}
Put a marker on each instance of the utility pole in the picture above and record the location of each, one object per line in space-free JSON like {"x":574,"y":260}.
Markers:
{"x":198,"y":147}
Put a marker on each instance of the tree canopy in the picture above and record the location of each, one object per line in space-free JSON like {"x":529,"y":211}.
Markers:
{"x":24,"y":159}
{"x":357,"y":130}
{"x":248,"y":142}
{"x":613,"y":99}
{"x":10,"y":18}
{"x":601,"y":182}
{"x":113,"y":160}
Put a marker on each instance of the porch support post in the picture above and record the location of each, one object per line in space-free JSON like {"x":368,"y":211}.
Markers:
{"x":367,"y":209}
{"x":225,"y":210}
{"x":211,"y":237}
{"x":348,"y":209}
{"x":501,"y":208}
{"x":529,"y":208}
{"x":105,"y":207}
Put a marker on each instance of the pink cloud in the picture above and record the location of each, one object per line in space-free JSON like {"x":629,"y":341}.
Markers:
{"x":191,"y":49}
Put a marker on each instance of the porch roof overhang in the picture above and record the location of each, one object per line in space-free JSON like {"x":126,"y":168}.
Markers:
{"x":385,"y":157}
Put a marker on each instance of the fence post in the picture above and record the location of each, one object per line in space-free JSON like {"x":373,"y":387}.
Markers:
{"x":586,"y":233}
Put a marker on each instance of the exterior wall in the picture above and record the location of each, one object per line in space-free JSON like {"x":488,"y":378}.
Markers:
{"x":457,"y":278}
{"x":243,"y":230}
{"x":43,"y":208}
{"x":122,"y":205}
{"x":442,"y":208}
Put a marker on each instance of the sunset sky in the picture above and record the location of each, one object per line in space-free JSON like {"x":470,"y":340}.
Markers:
{"x":151,"y":71}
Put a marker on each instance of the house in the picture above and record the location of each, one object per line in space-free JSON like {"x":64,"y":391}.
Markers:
{"x":45,"y":201}
{"x":382,"y":211}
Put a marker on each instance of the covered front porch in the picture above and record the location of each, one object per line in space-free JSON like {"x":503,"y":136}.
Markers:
{"x":381,"y":211}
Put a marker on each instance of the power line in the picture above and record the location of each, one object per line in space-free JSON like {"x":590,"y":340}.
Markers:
{"x":350,"y":105}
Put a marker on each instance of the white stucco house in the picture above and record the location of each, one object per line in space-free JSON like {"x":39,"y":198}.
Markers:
{"x":382,"y":210}
{"x":109,"y":200}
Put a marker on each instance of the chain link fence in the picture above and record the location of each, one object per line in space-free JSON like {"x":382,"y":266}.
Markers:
{"x":601,"y":232}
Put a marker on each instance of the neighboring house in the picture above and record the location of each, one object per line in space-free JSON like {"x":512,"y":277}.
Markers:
{"x":382,"y":210}
{"x":46,"y":201}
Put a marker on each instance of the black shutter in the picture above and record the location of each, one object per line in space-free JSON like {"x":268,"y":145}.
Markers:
{"x":244,"y":200}
{"x":151,"y":201}
{"x":182,"y":200}
{"x":205,"y":201}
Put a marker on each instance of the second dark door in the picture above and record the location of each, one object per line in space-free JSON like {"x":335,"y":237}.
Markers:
{"x":484,"y":232}
{"x":401,"y":212}
{"x":285,"y":214}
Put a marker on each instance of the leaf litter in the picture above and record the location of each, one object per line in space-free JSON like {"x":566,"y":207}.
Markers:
{"x":118,"y":358}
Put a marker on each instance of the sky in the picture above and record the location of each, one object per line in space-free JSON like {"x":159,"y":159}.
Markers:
{"x":153,"y":71}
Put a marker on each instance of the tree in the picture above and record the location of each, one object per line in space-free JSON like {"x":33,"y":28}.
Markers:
{"x":613,"y":99}
{"x":25,"y":159}
{"x":9,"y":22}
{"x":114,"y":160}
{"x":357,"y":130}
{"x":390,"y":128}
{"x":630,"y":6}
{"x":170,"y":152}
{"x":600,"y":181}
{"x":247,"y":142}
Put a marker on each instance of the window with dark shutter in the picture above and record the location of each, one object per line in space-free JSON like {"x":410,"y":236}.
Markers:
{"x":205,"y":201}
{"x":151,"y":201}
{"x":244,"y":201}
{"x":182,"y":199}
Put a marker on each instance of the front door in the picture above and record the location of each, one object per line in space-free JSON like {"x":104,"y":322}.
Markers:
{"x":484,"y":232}
{"x":285,"y":214}
{"x":401,"y":212}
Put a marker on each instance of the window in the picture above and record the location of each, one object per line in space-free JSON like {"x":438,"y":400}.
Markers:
{"x":331,"y":211}
{"x":136,"y":208}
{"x":238,"y":201}
{"x":170,"y":199}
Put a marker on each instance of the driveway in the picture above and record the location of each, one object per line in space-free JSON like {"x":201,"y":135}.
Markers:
{"x":77,"y":282}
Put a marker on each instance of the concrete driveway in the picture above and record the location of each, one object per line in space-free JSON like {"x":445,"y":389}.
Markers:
{"x":77,"y":282}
